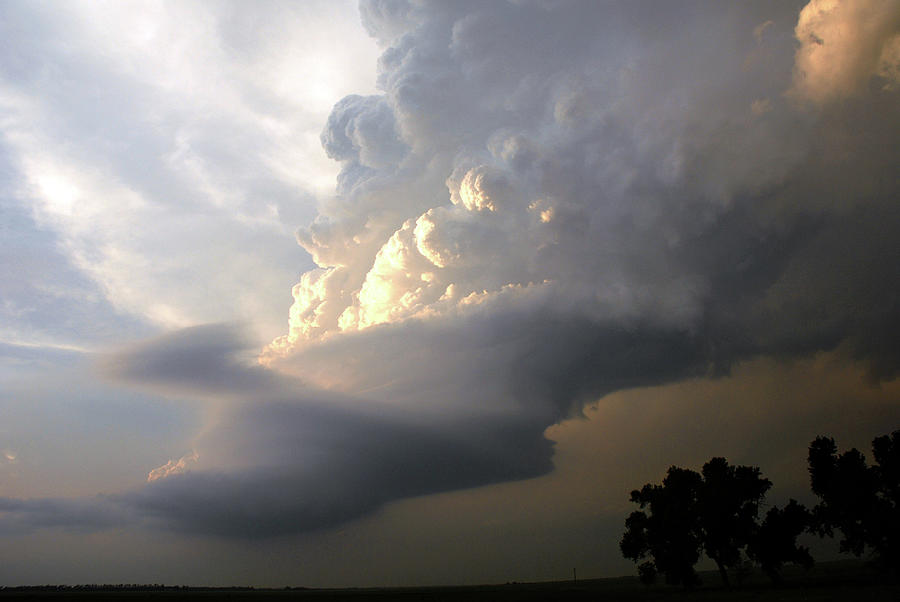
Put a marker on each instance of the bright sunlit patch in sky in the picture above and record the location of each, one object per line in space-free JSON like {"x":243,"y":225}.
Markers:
{"x":59,"y":193}
{"x":164,"y":141}
{"x":173,"y":467}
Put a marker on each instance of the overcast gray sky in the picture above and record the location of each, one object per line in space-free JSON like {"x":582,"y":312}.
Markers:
{"x":416,"y":292}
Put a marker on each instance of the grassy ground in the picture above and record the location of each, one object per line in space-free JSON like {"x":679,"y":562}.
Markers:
{"x":828,"y":582}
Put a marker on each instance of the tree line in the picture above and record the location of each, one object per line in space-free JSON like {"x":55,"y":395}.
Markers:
{"x":716,"y":512}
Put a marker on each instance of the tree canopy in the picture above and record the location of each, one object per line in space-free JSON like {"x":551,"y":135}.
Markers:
{"x":861,"y":501}
{"x":670,"y":533}
{"x":728,"y":506}
{"x":775,"y":541}
{"x":713,"y":512}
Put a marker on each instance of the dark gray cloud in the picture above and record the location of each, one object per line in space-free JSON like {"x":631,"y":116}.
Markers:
{"x":202,"y":359}
{"x":284,"y":459}
{"x":324,"y":466}
{"x":82,"y":514}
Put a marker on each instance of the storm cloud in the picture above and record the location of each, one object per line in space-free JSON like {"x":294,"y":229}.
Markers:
{"x":281,"y":458}
{"x":546,"y":203}
{"x":653,"y":178}
{"x":591,"y":199}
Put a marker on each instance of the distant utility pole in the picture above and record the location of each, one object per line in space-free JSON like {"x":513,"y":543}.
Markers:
{"x":574,"y":575}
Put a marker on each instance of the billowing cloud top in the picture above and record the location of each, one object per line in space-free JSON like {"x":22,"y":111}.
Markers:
{"x":591,"y":161}
{"x":844,"y":45}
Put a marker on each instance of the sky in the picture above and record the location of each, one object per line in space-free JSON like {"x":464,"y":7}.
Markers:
{"x":411,"y":292}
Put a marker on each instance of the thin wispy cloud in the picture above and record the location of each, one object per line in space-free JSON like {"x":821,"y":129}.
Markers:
{"x":113,"y":116}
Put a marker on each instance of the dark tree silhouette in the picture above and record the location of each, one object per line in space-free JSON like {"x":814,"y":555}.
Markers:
{"x":728,"y":505}
{"x":647,"y":573}
{"x":714,"y":512}
{"x":862,"y":502}
{"x":886,"y":540}
{"x":775,"y":541}
{"x":670,"y":533}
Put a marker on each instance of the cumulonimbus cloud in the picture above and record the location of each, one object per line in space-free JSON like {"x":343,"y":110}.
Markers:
{"x":628,"y":171}
{"x":548,"y":202}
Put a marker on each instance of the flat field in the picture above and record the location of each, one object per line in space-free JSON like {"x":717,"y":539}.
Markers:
{"x":827,"y":582}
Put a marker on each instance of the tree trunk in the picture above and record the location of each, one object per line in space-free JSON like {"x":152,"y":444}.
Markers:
{"x":723,"y":572}
{"x":774,"y":575}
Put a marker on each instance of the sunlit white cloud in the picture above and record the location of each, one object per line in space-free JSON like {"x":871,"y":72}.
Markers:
{"x":843,"y":45}
{"x":112,"y":121}
{"x":541,"y":186}
{"x":601,"y":187}
{"x":173,"y":467}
